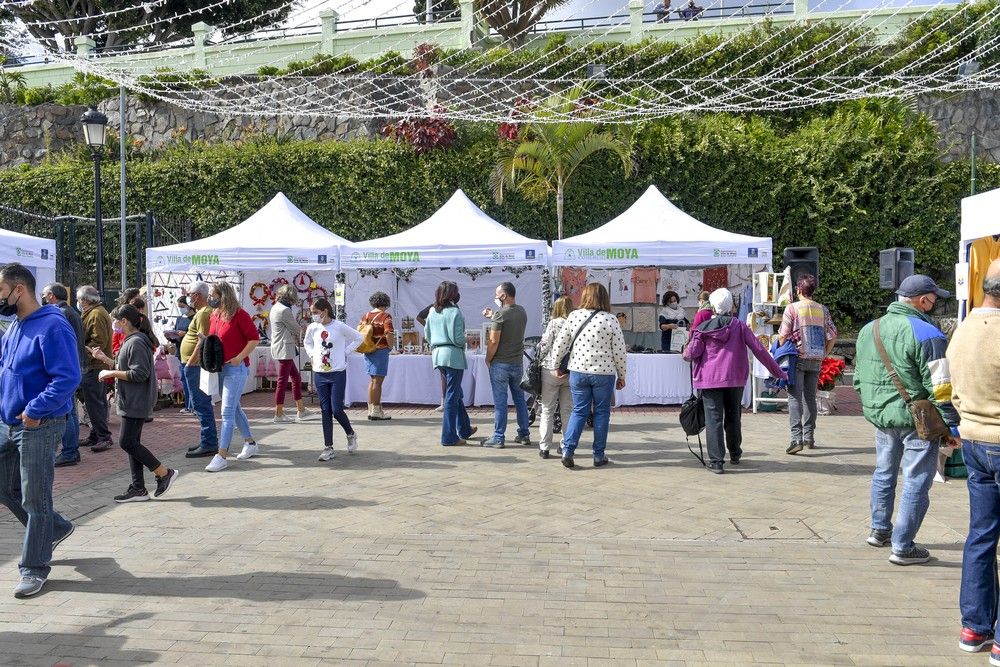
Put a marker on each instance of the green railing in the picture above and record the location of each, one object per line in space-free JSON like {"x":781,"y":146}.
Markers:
{"x":368,"y":38}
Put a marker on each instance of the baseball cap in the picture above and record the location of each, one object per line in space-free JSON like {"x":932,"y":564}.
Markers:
{"x":917,"y":284}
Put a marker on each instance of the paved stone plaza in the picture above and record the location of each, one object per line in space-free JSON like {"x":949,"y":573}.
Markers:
{"x":407,"y":552}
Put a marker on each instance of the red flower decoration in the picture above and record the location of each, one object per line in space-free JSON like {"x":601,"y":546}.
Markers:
{"x":831,"y":370}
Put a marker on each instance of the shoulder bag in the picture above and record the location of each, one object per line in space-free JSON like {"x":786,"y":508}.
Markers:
{"x":692,"y":419}
{"x":564,"y":362}
{"x":927,"y":420}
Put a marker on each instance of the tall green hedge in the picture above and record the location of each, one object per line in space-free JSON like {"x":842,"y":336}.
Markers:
{"x":866,"y":177}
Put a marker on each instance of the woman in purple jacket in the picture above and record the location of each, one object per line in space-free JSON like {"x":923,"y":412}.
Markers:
{"x":720,"y":368}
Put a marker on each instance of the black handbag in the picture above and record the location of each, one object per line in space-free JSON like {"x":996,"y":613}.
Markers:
{"x":564,"y":362}
{"x":212,"y":357}
{"x":531,"y":381}
{"x":692,"y":420}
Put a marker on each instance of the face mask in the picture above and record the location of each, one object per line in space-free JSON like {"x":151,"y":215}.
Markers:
{"x":116,"y":328}
{"x":214,"y":303}
{"x":498,"y":302}
{"x":672,"y":304}
{"x":317,"y":318}
{"x":8,"y":309}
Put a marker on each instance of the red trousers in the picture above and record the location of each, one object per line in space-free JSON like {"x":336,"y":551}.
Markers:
{"x":287,"y":369}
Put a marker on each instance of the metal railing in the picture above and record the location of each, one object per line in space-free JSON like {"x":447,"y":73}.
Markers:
{"x":447,"y":16}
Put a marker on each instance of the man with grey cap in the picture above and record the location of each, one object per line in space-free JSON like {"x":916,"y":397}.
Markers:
{"x":916,"y":350}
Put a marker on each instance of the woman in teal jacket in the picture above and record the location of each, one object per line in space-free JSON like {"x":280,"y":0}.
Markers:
{"x":445,"y":332}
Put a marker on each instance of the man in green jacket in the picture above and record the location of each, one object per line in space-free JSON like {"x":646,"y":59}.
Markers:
{"x":916,"y":349}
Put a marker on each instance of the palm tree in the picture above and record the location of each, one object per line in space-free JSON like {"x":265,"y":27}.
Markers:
{"x":10,"y":83}
{"x":547,"y":150}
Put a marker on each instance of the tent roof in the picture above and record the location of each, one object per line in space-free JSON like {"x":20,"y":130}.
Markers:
{"x":654,"y":231}
{"x":981,"y":215}
{"x":457,"y":234}
{"x":277,"y":236}
{"x":28,"y":250}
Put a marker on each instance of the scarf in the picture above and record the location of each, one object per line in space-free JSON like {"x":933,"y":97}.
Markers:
{"x":675,"y":314}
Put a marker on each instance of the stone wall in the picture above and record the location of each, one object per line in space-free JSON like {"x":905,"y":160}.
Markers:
{"x":28,"y":134}
{"x":959,"y":115}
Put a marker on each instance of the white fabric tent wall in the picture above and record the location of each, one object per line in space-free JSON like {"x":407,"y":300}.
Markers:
{"x":37,"y":254}
{"x":654,"y":232}
{"x":278,"y":236}
{"x":980,"y":218}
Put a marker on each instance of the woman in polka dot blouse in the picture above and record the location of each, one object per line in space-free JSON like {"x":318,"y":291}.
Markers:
{"x":597,"y":358}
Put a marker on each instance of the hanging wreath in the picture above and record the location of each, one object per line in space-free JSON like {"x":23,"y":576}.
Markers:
{"x":475,"y":273}
{"x":276,"y":284}
{"x":260,"y":320}
{"x":518,"y":271}
{"x":259,"y":294}
{"x":304,"y":282}
{"x":404,"y":274}
{"x":365,"y":273}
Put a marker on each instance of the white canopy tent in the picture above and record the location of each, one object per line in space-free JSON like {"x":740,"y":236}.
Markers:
{"x":278,"y":236}
{"x":458,"y":242}
{"x":980,"y":219}
{"x":457,"y":234}
{"x":654,"y":232}
{"x":37,"y":254}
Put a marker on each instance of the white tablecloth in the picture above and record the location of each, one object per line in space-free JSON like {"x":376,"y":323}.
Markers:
{"x":411,"y":380}
{"x":655,"y":379}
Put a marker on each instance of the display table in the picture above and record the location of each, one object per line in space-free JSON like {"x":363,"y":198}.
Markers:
{"x":655,"y":379}
{"x":412,"y":380}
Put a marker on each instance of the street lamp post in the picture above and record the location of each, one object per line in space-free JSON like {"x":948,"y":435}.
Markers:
{"x":94,"y":127}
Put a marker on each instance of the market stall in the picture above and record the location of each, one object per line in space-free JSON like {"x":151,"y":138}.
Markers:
{"x":979,"y":246}
{"x":459,"y":242}
{"x":277,"y":245}
{"x":649,"y":250}
{"x":37,"y":254}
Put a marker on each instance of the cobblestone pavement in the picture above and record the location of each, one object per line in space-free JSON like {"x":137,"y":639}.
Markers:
{"x":407,"y":552}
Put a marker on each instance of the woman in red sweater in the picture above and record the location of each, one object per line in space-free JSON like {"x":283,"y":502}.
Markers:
{"x":239,"y":337}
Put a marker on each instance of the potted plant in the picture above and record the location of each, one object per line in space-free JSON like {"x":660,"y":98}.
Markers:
{"x":830,"y":372}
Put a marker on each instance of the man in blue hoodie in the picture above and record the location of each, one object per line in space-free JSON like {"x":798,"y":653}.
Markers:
{"x":39,"y":371}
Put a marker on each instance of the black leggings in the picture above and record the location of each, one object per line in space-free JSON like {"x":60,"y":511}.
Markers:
{"x":722,"y":422}
{"x":138,"y":456}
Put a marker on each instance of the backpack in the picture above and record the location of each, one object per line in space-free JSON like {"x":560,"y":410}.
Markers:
{"x":367,"y":331}
{"x":212,"y":356}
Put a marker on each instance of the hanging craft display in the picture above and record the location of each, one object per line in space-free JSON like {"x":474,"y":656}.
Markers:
{"x":517,"y":271}
{"x":405,"y":274}
{"x":304,"y":282}
{"x":259,"y":294}
{"x":474,"y":273}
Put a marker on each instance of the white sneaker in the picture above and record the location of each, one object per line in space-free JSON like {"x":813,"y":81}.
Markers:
{"x":352,"y":443}
{"x":217,"y":464}
{"x":249,"y":449}
{"x":303,"y":415}
{"x":281,"y":419}
{"x":327,"y":454}
{"x":439,"y":408}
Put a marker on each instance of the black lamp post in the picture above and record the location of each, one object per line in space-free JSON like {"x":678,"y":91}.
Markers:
{"x":94,"y":127}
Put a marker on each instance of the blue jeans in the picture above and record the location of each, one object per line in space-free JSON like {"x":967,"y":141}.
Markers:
{"x":504,"y":377}
{"x":900,"y":449}
{"x":589,"y":389}
{"x":201,"y":404}
{"x":188,"y":400}
{"x":234,"y":378}
{"x":455,"y":424}
{"x":331,"y":388}
{"x":980,"y":591}
{"x":27,"y":458}
{"x":71,"y":436}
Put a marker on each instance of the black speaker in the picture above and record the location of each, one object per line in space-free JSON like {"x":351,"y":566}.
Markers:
{"x":802,"y":260}
{"x":894,"y":265}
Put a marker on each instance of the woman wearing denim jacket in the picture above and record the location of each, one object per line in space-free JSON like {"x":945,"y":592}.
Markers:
{"x":239,"y":339}
{"x":445,"y":333}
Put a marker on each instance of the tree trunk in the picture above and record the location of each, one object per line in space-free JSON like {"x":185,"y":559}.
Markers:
{"x":559,"y":209}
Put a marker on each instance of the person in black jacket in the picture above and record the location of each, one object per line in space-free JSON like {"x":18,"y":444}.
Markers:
{"x":135,"y":395}
{"x":56,"y":294}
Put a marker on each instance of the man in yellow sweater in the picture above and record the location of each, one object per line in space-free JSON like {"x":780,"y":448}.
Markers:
{"x":975,"y":382}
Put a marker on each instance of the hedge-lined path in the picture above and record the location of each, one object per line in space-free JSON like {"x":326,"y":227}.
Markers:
{"x":407,"y":552}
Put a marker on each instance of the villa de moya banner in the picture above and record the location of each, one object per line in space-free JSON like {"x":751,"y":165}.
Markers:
{"x":659,"y":254}
{"x":164,"y":259}
{"x":444,"y":256}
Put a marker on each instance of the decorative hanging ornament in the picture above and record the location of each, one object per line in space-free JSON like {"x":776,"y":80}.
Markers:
{"x":259,"y":294}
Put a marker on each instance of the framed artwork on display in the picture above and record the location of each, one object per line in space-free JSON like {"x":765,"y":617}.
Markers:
{"x":624,"y":315}
{"x":473,"y":341}
{"x":644,"y":319}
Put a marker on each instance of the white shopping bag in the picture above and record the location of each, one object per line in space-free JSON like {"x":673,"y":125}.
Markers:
{"x":209,"y":383}
{"x":678,"y":339}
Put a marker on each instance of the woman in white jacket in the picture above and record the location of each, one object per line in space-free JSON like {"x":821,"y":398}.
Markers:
{"x":594,"y":340}
{"x":328,"y":342}
{"x":555,"y":390}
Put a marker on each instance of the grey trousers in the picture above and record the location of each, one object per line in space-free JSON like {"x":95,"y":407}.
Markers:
{"x":95,"y":399}
{"x":802,"y":402}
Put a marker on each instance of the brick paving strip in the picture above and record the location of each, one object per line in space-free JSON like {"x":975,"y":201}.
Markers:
{"x":409,"y":553}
